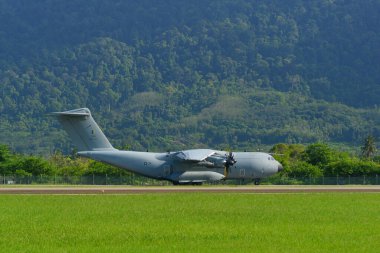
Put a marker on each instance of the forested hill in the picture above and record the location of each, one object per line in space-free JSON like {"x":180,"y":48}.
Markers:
{"x":179,"y":74}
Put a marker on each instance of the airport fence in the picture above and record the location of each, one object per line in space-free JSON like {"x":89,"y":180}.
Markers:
{"x":82,"y":180}
{"x":144,"y":181}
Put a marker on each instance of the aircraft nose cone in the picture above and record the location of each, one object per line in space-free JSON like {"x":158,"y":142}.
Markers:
{"x":280,"y":168}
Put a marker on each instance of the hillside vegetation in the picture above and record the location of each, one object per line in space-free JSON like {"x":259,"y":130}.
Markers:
{"x":183,"y":74}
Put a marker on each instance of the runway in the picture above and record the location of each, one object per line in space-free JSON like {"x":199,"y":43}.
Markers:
{"x":83,"y":190}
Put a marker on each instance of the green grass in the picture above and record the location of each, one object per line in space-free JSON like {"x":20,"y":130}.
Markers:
{"x":196,"y":222}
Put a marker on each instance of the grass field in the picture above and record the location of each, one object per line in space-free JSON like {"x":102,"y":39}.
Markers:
{"x":191,"y":222}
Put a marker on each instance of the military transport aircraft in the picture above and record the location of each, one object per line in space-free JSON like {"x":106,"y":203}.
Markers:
{"x":192,"y":166}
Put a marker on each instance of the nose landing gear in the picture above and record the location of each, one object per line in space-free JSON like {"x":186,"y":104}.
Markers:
{"x":256,"y":181}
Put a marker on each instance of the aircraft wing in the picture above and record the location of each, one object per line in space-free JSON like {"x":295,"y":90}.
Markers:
{"x":194,"y":155}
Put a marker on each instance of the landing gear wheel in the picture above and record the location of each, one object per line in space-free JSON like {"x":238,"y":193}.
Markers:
{"x":256,"y":181}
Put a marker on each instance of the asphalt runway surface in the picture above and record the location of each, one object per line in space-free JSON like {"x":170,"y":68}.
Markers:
{"x":69,"y":190}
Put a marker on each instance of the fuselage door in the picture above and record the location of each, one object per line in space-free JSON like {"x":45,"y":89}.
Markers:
{"x":167,"y":170}
{"x":242,"y":172}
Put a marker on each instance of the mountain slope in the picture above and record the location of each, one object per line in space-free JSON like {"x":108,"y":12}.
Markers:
{"x":179,"y":74}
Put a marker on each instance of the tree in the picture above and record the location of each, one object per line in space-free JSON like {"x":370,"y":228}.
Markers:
{"x":369,"y":147}
{"x":5,"y":159}
{"x":4,"y":153}
{"x":318,"y":154}
{"x":31,"y":165}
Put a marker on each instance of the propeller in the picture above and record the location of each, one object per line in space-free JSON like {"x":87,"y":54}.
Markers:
{"x":230,"y":160}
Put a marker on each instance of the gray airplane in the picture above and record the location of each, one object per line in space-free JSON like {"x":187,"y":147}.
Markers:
{"x":192,"y":166}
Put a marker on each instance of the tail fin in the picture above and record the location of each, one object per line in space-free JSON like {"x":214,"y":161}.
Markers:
{"x":83,"y":130}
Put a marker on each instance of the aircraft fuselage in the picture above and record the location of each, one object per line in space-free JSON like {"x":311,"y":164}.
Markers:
{"x":249,"y":165}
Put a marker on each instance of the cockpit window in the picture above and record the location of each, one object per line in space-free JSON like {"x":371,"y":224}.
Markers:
{"x":270,"y":158}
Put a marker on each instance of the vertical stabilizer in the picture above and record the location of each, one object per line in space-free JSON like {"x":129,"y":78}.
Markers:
{"x":83,"y":130}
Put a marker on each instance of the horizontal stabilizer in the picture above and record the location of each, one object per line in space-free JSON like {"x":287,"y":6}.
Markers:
{"x":73,"y":113}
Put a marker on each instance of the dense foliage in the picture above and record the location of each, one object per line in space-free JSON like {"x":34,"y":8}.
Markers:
{"x":319,"y":159}
{"x":183,"y":74}
{"x":56,"y":164}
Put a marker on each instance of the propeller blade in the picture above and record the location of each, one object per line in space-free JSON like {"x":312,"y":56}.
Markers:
{"x":230,"y":160}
